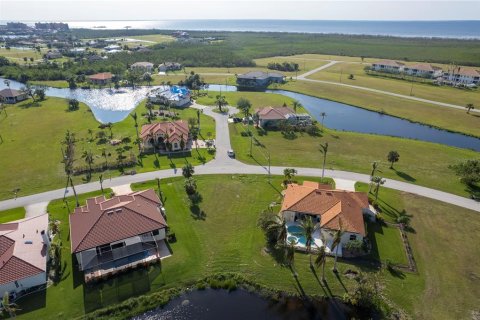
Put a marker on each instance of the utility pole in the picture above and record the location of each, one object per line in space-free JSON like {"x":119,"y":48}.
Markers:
{"x":269,"y":173}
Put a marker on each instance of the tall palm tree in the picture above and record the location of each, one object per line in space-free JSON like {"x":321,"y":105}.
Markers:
{"x":308,"y":228}
{"x":278,"y":226}
{"x":290,"y":256}
{"x":296,"y":104}
{"x":89,"y":159}
{"x":324,"y":150}
{"x":109,"y":125}
{"x":336,"y":243}
{"x":101,"y":182}
{"x":134,"y":117}
{"x":220,"y":102}
{"x":105,"y":156}
{"x":188,"y":170}
{"x":321,"y":260}
{"x":375,"y":165}
{"x":8,"y":307}
{"x":378,"y":181}
{"x":74,"y":192}
{"x":159,"y":190}
{"x":323,"y":115}
{"x":149,"y":107}
{"x":289,"y":173}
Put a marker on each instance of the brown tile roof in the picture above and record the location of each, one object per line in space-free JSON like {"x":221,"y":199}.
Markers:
{"x":391,"y":63}
{"x":22,"y":251}
{"x":142,"y":64}
{"x":423,"y":67}
{"x":101,"y":76}
{"x":10,"y":93}
{"x":103,"y":221}
{"x":174,"y":129}
{"x":331,"y":205}
{"x":272,"y":113}
{"x":469,"y":72}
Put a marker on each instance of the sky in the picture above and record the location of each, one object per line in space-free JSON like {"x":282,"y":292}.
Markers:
{"x":88,"y":10}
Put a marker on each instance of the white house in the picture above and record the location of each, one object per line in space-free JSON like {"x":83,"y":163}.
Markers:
{"x":388,"y":66}
{"x":423,"y":70}
{"x":331,"y":210}
{"x":112,"y":235}
{"x":142,"y":66}
{"x":462,"y":75}
{"x":174,"y":96}
{"x":24,"y":248}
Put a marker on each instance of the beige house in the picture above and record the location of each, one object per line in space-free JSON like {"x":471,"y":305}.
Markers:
{"x":101,"y":78}
{"x":166,"y":136}
{"x":388,"y":66}
{"x":423,"y":70}
{"x":142,"y":67}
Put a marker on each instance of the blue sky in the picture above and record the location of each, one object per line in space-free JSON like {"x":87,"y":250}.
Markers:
{"x":65,"y":10}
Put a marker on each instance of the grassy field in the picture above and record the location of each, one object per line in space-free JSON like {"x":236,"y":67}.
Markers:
{"x":157,"y":38}
{"x":226,"y":239}
{"x":12,"y":214}
{"x":341,"y":71}
{"x":257,"y":99}
{"x":443,"y":241}
{"x":450,"y":119}
{"x":38,"y":144}
{"x":420,"y":162}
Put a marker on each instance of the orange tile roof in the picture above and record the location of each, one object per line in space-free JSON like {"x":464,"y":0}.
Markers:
{"x":101,"y":76}
{"x":174,"y":129}
{"x":272,"y":113}
{"x":469,"y":72}
{"x":331,"y":205}
{"x":103,"y":221}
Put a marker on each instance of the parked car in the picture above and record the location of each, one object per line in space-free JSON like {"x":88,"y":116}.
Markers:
{"x":231,"y":153}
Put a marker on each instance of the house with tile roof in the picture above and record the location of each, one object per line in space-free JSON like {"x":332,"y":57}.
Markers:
{"x":331,"y":210}
{"x":24,"y":248}
{"x":423,"y":70}
{"x":142,"y":67}
{"x":175,"y":96}
{"x":111,"y":235}
{"x":101,"y":78}
{"x":462,"y":76}
{"x":166,"y":136}
{"x":273,"y":116}
{"x":388,"y":66}
{"x":12,"y":96}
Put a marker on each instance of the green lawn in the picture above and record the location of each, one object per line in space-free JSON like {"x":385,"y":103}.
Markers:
{"x":226,"y":239}
{"x":341,"y":71}
{"x":258,"y":99}
{"x":444,"y":242}
{"x":450,"y":119}
{"x":12,"y":214}
{"x":420,"y":162}
{"x":38,"y":144}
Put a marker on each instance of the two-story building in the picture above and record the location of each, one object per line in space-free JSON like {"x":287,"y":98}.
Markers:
{"x":272,"y":117}
{"x":258,"y":80}
{"x":462,"y":76}
{"x":142,"y":67}
{"x":101,"y":78}
{"x":112,"y":235}
{"x":388,"y":66}
{"x":166,"y":136}
{"x":423,"y":70}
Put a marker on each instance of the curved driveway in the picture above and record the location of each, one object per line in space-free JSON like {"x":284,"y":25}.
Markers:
{"x":222,"y":164}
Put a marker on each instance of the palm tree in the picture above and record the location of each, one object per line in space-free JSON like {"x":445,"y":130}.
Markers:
{"x":149,"y":106}
{"x":198,"y":118}
{"x":469,"y":107}
{"x":290,"y":256}
{"x":337,"y":238}
{"x":403,"y":218}
{"x":378,"y":181}
{"x":220,"y":102}
{"x":105,"y":155}
{"x":134,"y":117}
{"x":296,"y":104}
{"x":278,"y":226}
{"x":323,"y":115}
{"x":324,"y":150}
{"x":74,"y":192}
{"x":244,"y":105}
{"x":109,"y":125}
{"x":308,"y":228}
{"x":159,"y":190}
{"x":7,"y":306}
{"x":89,"y":159}
{"x":375,"y":165}
{"x":53,"y":226}
{"x":101,"y":182}
{"x":188,"y":170}
{"x":289,"y":173}
{"x":321,"y":259}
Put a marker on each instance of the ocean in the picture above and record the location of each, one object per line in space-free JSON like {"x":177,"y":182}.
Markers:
{"x":442,"y":29}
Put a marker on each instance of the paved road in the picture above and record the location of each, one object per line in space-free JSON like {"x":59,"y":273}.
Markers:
{"x":225,"y":165}
{"x":303,"y":77}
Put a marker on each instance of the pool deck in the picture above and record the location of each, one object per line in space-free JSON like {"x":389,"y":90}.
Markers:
{"x":317,"y":239}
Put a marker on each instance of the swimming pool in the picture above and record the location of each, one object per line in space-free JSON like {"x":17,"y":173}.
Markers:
{"x":295,"y":233}
{"x":293,"y":229}
{"x":179,"y":90}
{"x":299,"y":240}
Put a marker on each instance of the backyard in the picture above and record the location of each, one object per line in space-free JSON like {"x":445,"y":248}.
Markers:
{"x":225,"y":238}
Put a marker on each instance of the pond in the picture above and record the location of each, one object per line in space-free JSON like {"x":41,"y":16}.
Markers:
{"x":239,"y":304}
{"x":110,"y":105}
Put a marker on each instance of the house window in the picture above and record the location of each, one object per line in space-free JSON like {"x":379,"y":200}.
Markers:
{"x":353,"y":237}
{"x":16,"y":284}
{"x":104,"y":249}
{"x":156,"y":232}
{"x":118,"y":245}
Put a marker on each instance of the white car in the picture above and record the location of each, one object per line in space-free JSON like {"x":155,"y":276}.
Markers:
{"x":231,"y":153}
